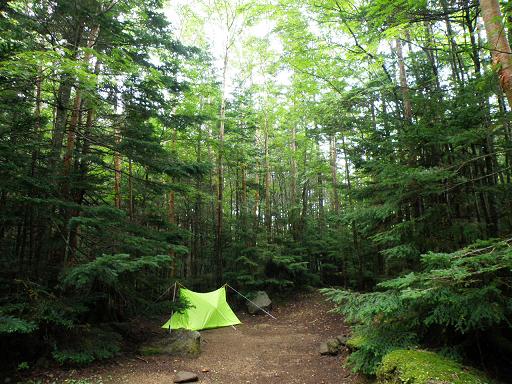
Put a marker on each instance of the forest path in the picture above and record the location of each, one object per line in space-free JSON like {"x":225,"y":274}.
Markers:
{"x":261,"y":350}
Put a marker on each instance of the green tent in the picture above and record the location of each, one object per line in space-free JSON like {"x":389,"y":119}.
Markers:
{"x":207,"y":310}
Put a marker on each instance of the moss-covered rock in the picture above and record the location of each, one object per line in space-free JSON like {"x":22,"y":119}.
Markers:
{"x":423,"y":367}
{"x":330,"y":347}
{"x":355,"y":342}
{"x":179,"y":342}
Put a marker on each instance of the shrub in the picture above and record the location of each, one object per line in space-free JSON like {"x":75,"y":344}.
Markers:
{"x":87,"y":345}
{"x":456,"y":297}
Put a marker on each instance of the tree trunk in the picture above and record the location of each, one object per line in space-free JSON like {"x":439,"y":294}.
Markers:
{"x":220,"y":176}
{"x":171,"y":211}
{"x":130,"y":189}
{"x":62,"y":103}
{"x":117,"y":168}
{"x":498,"y":44}
{"x":256,"y":207}
{"x":244,"y":211}
{"x":355,"y":241}
{"x":293,"y":182}
{"x":334,"y":171}
{"x":457,"y":72}
{"x":404,"y":87}
{"x":268,"y":213}
{"x":75,"y":116}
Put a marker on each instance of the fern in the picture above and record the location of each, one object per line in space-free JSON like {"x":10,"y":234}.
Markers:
{"x":108,"y":269}
{"x":11,"y":324}
{"x":86,"y":345}
{"x":460,"y":293}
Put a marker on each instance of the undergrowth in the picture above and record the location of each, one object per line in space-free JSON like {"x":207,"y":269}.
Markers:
{"x":71,"y":322}
{"x":458,"y":304}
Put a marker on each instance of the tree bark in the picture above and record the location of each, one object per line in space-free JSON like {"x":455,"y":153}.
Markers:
{"x":498,"y":44}
{"x":268,"y":213}
{"x":220,"y":176}
{"x":130,"y":189}
{"x":256,"y":208}
{"x":404,"y":87}
{"x":334,"y":173}
{"x":75,"y":115}
{"x":293,"y":181}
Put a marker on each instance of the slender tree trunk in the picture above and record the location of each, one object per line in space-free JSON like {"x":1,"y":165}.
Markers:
{"x":498,"y":44}
{"x":431,"y":55}
{"x":130,"y":189}
{"x":35,"y":157}
{"x":293,"y":181}
{"x":320,"y":184}
{"x":171,"y":211}
{"x":220,"y":177}
{"x":83,"y":167}
{"x":404,"y":87}
{"x":117,"y":168}
{"x":62,"y":104}
{"x":268,"y":213}
{"x":75,"y":115}
{"x":244,"y":210}
{"x":355,"y":240}
{"x":256,"y":209}
{"x":334,"y":173}
{"x":457,"y":72}
{"x":473,"y":38}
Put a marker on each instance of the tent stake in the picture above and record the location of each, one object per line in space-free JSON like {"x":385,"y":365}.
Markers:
{"x":257,"y":306}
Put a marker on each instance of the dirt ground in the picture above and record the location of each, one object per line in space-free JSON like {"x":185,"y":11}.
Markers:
{"x":261,"y":350}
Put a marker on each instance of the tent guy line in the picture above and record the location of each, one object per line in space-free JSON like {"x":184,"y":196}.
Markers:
{"x":208,"y":310}
{"x":229,"y":286}
{"x":250,"y":301}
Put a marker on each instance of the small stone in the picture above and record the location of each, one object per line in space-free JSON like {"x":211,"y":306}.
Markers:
{"x":324,"y":349}
{"x":185,"y":377}
{"x":342,"y":339}
{"x":330,"y":347}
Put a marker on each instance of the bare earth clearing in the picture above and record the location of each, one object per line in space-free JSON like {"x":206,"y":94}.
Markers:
{"x":261,"y":350}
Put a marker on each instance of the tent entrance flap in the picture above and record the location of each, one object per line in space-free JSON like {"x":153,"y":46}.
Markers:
{"x":207,"y":310}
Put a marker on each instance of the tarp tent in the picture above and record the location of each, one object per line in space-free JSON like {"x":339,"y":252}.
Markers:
{"x":207,"y":310}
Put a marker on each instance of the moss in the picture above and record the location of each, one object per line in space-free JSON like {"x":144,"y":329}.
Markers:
{"x":423,"y":367}
{"x":179,"y":343}
{"x":355,"y":342}
{"x":151,"y":350}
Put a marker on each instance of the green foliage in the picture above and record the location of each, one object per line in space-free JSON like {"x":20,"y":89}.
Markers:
{"x":108,"y":270}
{"x":72,"y":257}
{"x":85,"y":345}
{"x":277,"y":267}
{"x":111,"y":157}
{"x":454,"y":297}
{"x":10,"y":324}
{"x":422,"y":367}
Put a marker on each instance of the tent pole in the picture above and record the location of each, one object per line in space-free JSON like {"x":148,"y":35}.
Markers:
{"x":173,"y":300}
{"x":257,"y":306}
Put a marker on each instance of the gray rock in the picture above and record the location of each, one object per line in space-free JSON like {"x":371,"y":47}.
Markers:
{"x":342,"y":339}
{"x":261,"y":300}
{"x":185,"y":377}
{"x":180,"y":342}
{"x":330,"y":347}
{"x":324,"y":349}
